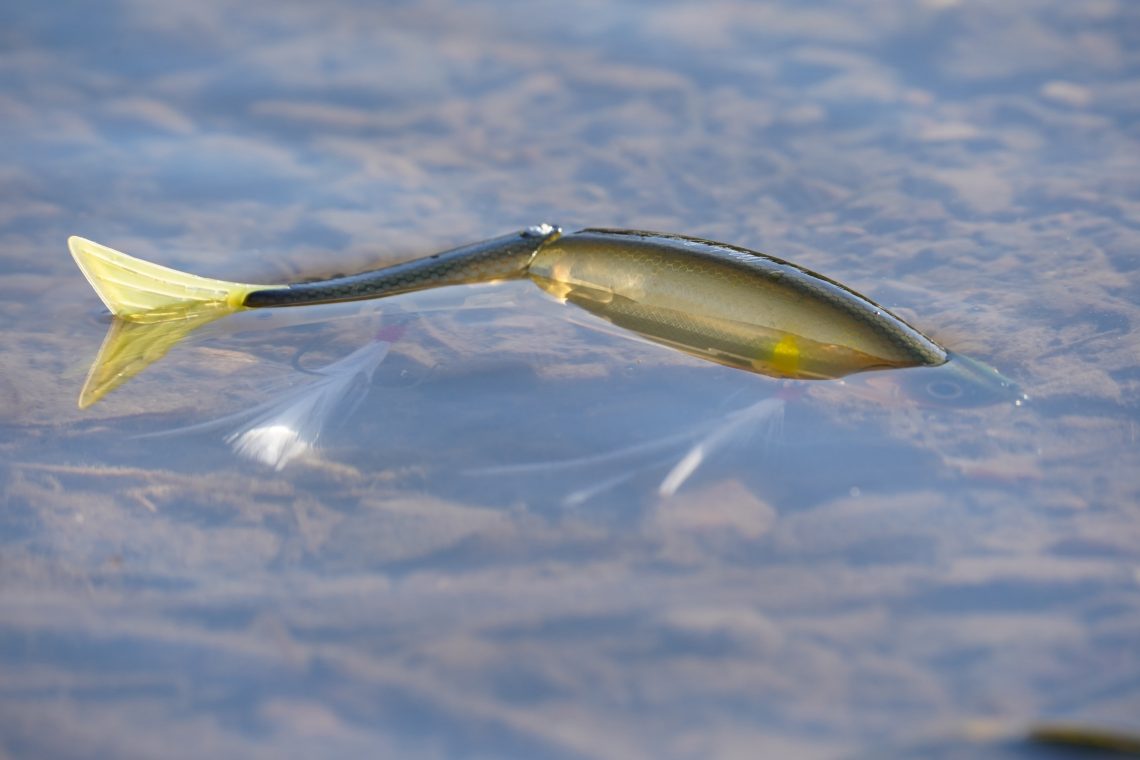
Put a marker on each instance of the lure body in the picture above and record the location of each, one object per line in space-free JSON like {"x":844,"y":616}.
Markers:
{"x":720,"y":302}
{"x":728,"y":304}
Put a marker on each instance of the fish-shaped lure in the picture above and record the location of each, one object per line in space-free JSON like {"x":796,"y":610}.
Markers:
{"x":722,"y":303}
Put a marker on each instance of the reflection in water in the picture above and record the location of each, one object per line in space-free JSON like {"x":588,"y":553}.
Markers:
{"x":710,"y":436}
{"x":289,"y":426}
{"x":129,"y":347}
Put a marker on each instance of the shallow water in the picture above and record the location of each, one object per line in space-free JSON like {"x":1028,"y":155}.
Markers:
{"x":477,"y":561}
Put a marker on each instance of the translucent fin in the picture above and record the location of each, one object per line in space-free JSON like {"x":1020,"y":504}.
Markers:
{"x":140,"y":291}
{"x":132,"y":346}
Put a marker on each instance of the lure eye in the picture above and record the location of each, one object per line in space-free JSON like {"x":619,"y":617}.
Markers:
{"x":944,"y":390}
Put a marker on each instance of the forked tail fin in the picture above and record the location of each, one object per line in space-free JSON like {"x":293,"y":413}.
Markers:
{"x":133,"y":345}
{"x":140,"y":291}
{"x":154,"y":307}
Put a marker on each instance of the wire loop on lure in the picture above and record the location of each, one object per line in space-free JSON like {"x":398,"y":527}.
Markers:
{"x":304,"y":348}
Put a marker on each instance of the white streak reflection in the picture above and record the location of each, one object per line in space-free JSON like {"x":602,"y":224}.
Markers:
{"x":733,"y":428}
{"x":289,"y":426}
{"x":707,"y":439}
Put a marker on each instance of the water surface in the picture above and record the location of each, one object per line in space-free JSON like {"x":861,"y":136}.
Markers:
{"x":477,"y":561}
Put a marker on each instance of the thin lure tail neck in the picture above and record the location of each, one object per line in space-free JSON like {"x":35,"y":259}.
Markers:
{"x":155,"y":307}
{"x":503,"y":258}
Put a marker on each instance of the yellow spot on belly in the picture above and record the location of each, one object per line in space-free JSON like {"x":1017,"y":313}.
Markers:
{"x":786,"y":356}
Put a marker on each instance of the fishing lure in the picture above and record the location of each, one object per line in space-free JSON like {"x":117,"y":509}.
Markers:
{"x":722,"y":303}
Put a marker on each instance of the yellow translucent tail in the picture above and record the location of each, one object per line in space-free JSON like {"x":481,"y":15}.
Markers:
{"x":138,"y":290}
{"x":133,"y":345}
{"x":155,"y":307}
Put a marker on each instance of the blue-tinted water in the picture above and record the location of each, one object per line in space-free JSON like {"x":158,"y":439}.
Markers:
{"x":477,"y":559}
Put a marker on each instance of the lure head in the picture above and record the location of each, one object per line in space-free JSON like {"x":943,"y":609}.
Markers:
{"x":962,"y":382}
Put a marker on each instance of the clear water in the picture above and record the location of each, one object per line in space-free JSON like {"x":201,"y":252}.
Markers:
{"x":477,"y":561}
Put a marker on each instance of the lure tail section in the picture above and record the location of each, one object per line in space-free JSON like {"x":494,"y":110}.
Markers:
{"x":140,"y":291}
{"x":154,"y":306}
